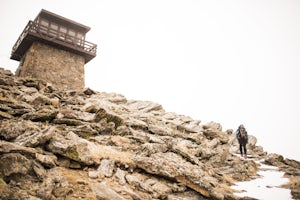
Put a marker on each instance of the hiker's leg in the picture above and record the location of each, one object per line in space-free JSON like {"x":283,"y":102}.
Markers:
{"x":241,"y":150}
{"x":245,"y":149}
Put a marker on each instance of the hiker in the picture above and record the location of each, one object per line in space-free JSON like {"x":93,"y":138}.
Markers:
{"x":242,"y":138}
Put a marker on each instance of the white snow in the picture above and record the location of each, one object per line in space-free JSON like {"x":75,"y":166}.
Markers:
{"x":265,"y":187}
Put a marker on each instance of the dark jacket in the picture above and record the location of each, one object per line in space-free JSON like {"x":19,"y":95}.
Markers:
{"x":240,"y":138}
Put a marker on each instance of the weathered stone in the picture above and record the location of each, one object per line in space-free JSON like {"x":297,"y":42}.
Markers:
{"x":110,"y":117}
{"x":39,"y":170}
{"x":68,"y":122}
{"x":14,"y":163}
{"x":75,"y":114}
{"x":158,"y":129}
{"x":11,"y":129}
{"x":192,"y":128}
{"x":187,"y":150}
{"x":10,"y":107}
{"x":151,"y":148}
{"x":213,"y":125}
{"x":46,"y":160}
{"x":133,"y":180}
{"x":41,"y":115}
{"x":212,"y":133}
{"x":120,"y":175}
{"x":274,"y":159}
{"x":35,"y":138}
{"x":145,"y":106}
{"x":106,"y":167}
{"x":89,"y":91}
{"x":292,"y":163}
{"x":4,"y":115}
{"x":176,"y":168}
{"x":41,"y":100}
{"x":190,"y":195}
{"x":74,"y":148}
{"x":8,"y":147}
{"x":103,"y":191}
{"x":86,"y":130}
{"x":136,"y":123}
{"x":63,"y":143}
{"x":157,"y":189}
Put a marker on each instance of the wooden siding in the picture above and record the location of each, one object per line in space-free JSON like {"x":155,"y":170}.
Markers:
{"x":53,"y":36}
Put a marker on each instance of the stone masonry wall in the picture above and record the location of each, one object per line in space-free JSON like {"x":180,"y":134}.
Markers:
{"x":62,"y":69}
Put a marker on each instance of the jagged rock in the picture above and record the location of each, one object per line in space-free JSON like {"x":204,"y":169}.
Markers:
{"x":120,"y":175}
{"x":4,"y":115}
{"x":95,"y":145}
{"x":242,"y":171}
{"x":5,"y":191}
{"x":32,"y":82}
{"x":41,"y":115}
{"x":7,"y":81}
{"x":187,"y":150}
{"x":41,"y":100}
{"x":48,"y":161}
{"x":190,"y":195}
{"x":229,"y":131}
{"x":191,"y":127}
{"x":103,"y":191}
{"x":251,"y":142}
{"x":159,"y":190}
{"x":87,"y":130}
{"x":13,"y":107}
{"x":74,"y":148}
{"x":213,"y":125}
{"x":175,"y":167}
{"x":160,"y":130}
{"x":104,"y":170}
{"x":110,"y":117}
{"x":151,"y":148}
{"x":292,"y":163}
{"x":39,"y":170}
{"x":68,"y":122}
{"x":12,"y":129}
{"x":274,"y":159}
{"x":75,"y":114}
{"x":8,"y":147}
{"x":46,"y":190}
{"x":106,"y":167}
{"x":89,"y":91}
{"x":14,"y":163}
{"x":215,"y":133}
{"x":33,"y":139}
{"x":136,"y":123}
{"x":145,"y":106}
{"x":133,"y":180}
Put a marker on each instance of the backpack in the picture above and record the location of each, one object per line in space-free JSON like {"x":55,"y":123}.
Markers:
{"x":242,"y":134}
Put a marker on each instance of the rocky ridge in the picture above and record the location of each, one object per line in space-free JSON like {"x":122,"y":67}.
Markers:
{"x":94,"y":145}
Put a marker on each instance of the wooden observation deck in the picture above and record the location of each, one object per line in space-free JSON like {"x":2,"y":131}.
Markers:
{"x":56,"y":31}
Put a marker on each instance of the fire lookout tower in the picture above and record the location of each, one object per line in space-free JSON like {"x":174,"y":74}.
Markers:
{"x":53,"y":48}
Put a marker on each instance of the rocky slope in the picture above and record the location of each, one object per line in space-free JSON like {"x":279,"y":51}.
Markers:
{"x":94,"y":145}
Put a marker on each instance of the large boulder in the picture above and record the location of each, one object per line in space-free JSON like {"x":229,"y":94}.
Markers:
{"x":14,"y":163}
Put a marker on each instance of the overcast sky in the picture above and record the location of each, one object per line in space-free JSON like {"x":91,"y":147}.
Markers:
{"x":231,"y":62}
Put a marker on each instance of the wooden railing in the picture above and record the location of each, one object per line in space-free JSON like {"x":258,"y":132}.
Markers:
{"x":53,"y":34}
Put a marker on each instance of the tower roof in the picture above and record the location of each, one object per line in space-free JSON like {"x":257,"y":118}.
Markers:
{"x":62,"y":20}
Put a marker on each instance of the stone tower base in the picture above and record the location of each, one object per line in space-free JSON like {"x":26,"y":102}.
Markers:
{"x":64,"y":70}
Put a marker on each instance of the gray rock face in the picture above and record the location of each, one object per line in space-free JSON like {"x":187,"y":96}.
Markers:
{"x":96,"y":145}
